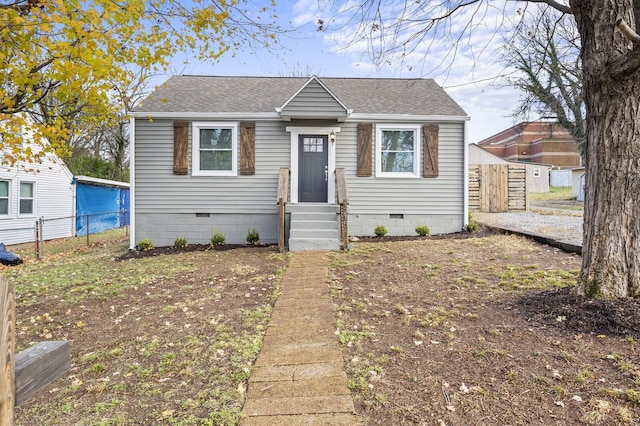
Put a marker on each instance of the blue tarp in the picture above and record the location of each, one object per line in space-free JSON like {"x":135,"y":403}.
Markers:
{"x":124,"y":207}
{"x":105,"y":207}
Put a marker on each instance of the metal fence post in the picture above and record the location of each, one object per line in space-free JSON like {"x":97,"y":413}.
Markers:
{"x":41,"y":238}
{"x":36,"y":230}
{"x":87,"y":223}
{"x":127,"y":220}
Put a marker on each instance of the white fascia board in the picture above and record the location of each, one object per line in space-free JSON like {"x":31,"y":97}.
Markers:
{"x":284,"y":105}
{"x":317,"y":80}
{"x":406,"y":117}
{"x":208,"y":115}
{"x":331,"y":93}
{"x":275,"y":116}
{"x":64,"y":167}
{"x":102,"y":182}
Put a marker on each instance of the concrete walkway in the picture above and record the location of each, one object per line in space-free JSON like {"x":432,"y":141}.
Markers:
{"x":298,"y":378}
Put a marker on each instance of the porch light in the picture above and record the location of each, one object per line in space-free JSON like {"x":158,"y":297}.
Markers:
{"x":332,"y":136}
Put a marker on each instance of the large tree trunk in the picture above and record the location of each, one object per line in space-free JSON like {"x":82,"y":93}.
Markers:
{"x":611,"y":246}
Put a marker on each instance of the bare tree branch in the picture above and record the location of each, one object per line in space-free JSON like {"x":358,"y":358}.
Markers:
{"x":546,"y":51}
{"x":412,"y":33}
{"x":627,"y":31}
{"x":554,"y":4}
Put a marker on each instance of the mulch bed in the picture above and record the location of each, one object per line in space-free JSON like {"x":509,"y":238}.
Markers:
{"x":161,"y":251}
{"x":564,"y":309}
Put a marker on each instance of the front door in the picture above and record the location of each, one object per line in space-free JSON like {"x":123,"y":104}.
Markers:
{"x":313,"y":164}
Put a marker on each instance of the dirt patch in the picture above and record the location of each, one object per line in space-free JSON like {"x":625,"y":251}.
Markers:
{"x":483,"y":231}
{"x":167,"y":337}
{"x":482,"y":331}
{"x":462,"y":329}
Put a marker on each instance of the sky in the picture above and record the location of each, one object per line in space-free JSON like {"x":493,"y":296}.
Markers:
{"x":470,"y":74}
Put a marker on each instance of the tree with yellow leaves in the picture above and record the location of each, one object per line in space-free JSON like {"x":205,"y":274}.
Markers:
{"x":64,"y":62}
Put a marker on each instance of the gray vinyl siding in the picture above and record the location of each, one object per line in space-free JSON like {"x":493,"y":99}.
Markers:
{"x":166,"y":204}
{"x":164,"y":228}
{"x":314,"y":101}
{"x":435,"y":202}
{"x":158,"y":190}
{"x":443,"y":195}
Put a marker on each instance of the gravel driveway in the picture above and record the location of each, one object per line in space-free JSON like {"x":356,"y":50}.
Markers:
{"x":559,"y":225}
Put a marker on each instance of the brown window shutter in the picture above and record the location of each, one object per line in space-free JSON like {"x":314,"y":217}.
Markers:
{"x":430,"y":151}
{"x":181,"y":147}
{"x":365,"y":131}
{"x":247,"y":147}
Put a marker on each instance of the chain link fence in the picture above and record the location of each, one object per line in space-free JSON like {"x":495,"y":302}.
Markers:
{"x":58,"y":235}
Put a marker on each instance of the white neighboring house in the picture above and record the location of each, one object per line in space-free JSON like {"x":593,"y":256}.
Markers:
{"x":29,"y":191}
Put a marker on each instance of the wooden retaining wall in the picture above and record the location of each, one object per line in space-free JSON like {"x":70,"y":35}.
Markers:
{"x":498,"y":188}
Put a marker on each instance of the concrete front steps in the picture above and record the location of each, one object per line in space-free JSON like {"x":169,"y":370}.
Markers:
{"x":313,"y":227}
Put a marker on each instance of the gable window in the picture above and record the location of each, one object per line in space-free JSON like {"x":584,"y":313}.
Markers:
{"x":215,"y":147}
{"x":397,"y":150}
{"x":4,"y":197}
{"x":27,"y":201}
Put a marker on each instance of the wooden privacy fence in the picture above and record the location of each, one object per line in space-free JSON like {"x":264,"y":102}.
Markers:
{"x":498,"y":188}
{"x":24,"y":374}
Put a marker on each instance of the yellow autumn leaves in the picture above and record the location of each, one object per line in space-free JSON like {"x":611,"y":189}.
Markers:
{"x":65,"y":62}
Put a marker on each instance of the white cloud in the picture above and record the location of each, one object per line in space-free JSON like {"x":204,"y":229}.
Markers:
{"x":463,"y":57}
{"x":469,"y":73}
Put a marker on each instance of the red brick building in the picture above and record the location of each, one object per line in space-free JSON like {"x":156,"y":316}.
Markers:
{"x":535,"y":142}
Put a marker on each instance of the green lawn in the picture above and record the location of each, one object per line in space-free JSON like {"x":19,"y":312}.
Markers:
{"x":556,"y":193}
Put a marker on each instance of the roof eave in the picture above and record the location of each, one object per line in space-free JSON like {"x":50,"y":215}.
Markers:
{"x":408,"y":117}
{"x":206,"y":115}
{"x":350,"y":117}
{"x":101,"y":182}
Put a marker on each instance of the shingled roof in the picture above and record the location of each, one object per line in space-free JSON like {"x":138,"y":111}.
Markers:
{"x":216,"y":94}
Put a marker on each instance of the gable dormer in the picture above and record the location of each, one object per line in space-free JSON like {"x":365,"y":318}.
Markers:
{"x":313,"y":100}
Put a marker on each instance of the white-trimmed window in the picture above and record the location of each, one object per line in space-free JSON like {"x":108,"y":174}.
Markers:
{"x":27,"y":200}
{"x":397,"y":150}
{"x":4,"y":197}
{"x":214,"y":148}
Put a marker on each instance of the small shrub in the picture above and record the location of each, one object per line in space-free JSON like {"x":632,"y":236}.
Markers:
{"x":145,"y":244}
{"x":380,"y":231}
{"x":180,"y":242}
{"x":471,"y":227}
{"x":252,"y":236}
{"x":218,"y":238}
{"x":422,"y":230}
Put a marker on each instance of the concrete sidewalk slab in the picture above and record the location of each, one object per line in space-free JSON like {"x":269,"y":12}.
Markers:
{"x":301,"y":405}
{"x":299,"y":377}
{"x":300,"y":388}
{"x":290,"y":373}
{"x":306,"y":420}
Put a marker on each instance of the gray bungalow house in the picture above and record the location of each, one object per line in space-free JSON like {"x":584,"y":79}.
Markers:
{"x":213,"y":153}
